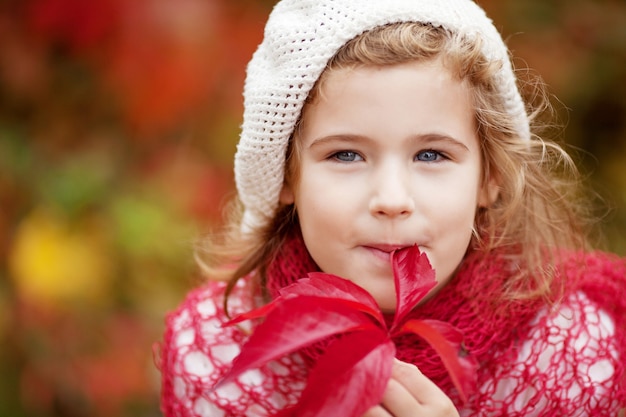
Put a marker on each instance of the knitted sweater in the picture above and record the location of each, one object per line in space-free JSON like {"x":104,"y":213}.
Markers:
{"x":566,"y":359}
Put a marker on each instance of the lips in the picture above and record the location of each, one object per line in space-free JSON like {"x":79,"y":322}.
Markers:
{"x":383,"y":251}
{"x":387,"y":248}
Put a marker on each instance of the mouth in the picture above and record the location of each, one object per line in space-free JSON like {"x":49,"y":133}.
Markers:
{"x":383,"y":251}
{"x":386,"y":248}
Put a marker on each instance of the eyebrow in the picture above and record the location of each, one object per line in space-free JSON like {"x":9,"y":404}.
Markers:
{"x":424,"y":138}
{"x":438,"y":138}
{"x":348,"y":138}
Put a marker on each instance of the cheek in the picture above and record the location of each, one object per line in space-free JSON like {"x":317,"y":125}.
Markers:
{"x":327,"y":213}
{"x":314,"y":207}
{"x":448,"y":253}
{"x":452,"y":202}
{"x":320,"y":192}
{"x":451,"y":222}
{"x":322,"y":214}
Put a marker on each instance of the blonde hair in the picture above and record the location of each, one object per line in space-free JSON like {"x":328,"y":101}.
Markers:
{"x":536,"y":213}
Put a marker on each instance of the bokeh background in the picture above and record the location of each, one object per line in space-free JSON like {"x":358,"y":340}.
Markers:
{"x":118,"y":124}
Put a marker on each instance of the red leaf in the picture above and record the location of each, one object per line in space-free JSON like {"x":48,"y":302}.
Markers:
{"x":353,"y":372}
{"x":414,"y":277}
{"x":349,"y":378}
{"x":447,"y":341}
{"x":295,"y":323}
{"x":318,"y":284}
{"x":257,"y":313}
{"x":332,"y":286}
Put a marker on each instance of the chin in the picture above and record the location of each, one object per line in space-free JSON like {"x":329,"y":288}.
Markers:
{"x":388,"y":310}
{"x":387,"y":306}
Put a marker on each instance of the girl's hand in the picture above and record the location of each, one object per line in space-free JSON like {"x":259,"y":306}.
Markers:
{"x":409,"y":394}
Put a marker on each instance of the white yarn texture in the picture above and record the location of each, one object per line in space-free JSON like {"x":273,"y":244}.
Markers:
{"x":301,"y":36}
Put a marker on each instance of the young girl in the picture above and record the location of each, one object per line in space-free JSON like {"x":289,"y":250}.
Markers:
{"x":374,"y":125}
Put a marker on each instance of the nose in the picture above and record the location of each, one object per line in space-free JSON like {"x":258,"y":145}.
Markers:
{"x":391,"y":192}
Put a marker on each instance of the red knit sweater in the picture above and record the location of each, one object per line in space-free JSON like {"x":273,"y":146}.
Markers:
{"x":568,"y":359}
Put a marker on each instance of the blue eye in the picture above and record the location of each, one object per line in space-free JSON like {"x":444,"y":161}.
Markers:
{"x":428,"y":156}
{"x":347,"y":156}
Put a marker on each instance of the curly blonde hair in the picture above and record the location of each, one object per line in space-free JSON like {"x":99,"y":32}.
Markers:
{"x":538,"y":210}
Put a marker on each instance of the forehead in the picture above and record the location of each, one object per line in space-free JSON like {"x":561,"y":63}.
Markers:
{"x":396,"y":101}
{"x":404,"y":82}
{"x":447,"y":63}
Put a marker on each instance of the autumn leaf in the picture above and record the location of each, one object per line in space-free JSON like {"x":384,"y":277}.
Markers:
{"x":352,"y":373}
{"x":414,"y":278}
{"x":447,"y":341}
{"x":297,"y":322}
{"x":350,"y":363}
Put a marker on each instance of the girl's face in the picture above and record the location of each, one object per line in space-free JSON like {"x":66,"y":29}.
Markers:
{"x":389,"y":158}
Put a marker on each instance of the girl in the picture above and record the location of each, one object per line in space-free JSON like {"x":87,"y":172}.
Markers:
{"x":374,"y":125}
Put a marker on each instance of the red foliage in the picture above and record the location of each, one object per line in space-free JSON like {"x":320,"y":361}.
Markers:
{"x":101,"y":367}
{"x":162,"y":60}
{"x":79,"y":24}
{"x":352,"y":374}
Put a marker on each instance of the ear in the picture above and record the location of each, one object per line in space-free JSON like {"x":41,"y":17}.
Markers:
{"x":286,"y":195}
{"x":489,"y":193}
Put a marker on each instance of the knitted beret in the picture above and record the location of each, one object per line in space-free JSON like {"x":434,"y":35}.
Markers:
{"x":301,"y":36}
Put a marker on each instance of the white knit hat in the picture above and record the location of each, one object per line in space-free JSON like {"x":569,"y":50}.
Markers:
{"x":301,"y":36}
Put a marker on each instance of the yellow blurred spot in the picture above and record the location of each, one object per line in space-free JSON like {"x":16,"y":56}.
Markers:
{"x":54,"y":261}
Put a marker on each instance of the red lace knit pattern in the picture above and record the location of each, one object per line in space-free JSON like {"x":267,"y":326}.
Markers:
{"x":567,"y":360}
{"x":197,"y":351}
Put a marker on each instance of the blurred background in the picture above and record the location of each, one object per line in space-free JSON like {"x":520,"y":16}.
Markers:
{"x":118,"y":124}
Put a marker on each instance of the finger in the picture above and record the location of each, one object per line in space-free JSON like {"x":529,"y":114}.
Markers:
{"x":415,"y":382}
{"x":422,"y":390}
{"x":398,"y":401}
